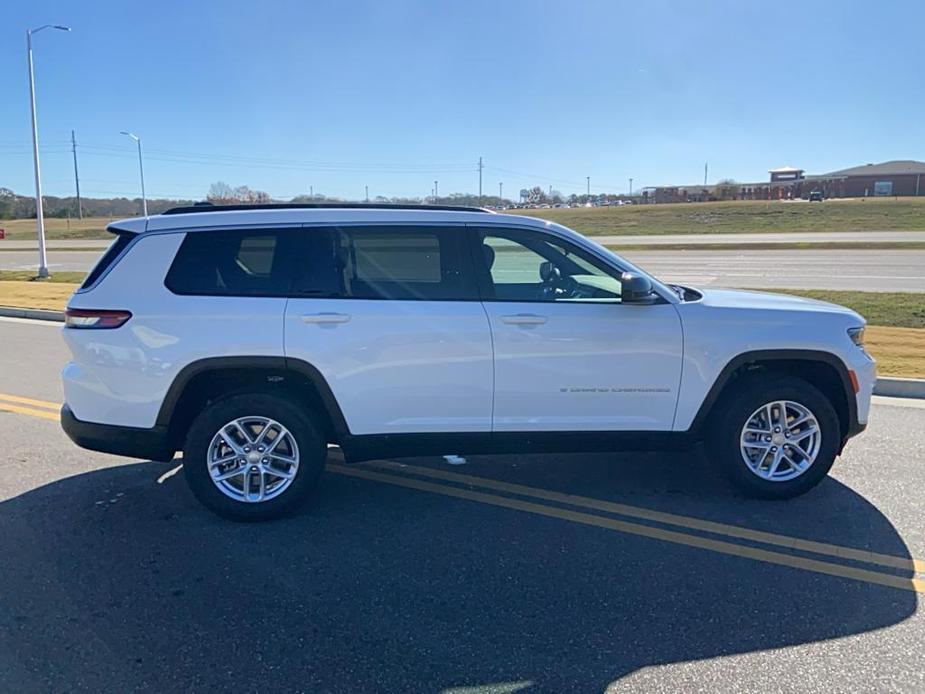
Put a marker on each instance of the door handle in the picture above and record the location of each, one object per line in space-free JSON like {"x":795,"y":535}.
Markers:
{"x":523,"y":319}
{"x":325,"y":317}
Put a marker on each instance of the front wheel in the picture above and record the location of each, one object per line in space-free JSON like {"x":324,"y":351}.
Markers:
{"x":253,"y":457}
{"x":775,"y":437}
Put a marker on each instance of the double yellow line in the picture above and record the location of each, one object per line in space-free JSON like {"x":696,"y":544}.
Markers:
{"x":29,"y":406}
{"x":681,"y":530}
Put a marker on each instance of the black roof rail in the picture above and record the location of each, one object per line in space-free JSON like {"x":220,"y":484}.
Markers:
{"x":209,"y":207}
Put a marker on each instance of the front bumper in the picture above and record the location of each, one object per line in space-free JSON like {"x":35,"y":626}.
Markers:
{"x":132,"y":442}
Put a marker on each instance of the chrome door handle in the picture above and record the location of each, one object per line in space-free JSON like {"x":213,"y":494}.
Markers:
{"x":523,"y":319}
{"x":325,"y":317}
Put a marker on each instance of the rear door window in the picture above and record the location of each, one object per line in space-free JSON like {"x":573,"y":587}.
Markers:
{"x":420,"y":263}
{"x":253,"y":262}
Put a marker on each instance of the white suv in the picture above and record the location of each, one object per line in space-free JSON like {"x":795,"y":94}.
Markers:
{"x":249,"y":337}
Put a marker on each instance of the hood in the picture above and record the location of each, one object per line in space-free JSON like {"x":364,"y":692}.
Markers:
{"x":735,"y":298}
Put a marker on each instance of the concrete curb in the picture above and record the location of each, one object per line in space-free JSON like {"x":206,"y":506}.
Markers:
{"x":888,"y":387}
{"x":32,"y":313}
{"x":900,"y":387}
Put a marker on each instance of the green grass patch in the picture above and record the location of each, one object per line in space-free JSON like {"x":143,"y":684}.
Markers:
{"x":859,"y":214}
{"x":892,"y":309}
{"x":29,"y":276}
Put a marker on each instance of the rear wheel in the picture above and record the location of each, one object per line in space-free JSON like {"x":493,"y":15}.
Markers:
{"x":253,"y":457}
{"x":775,"y":437}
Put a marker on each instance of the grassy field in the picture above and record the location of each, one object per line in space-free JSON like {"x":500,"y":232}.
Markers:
{"x":862,"y":214}
{"x":895,"y":336}
{"x":86,"y":228}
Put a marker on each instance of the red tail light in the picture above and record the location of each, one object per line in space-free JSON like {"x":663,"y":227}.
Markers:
{"x":94,"y":319}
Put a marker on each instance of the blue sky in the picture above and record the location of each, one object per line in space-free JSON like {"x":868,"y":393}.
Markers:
{"x":285,"y":95}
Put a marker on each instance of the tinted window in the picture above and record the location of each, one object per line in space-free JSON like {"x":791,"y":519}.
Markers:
{"x":232,"y":263}
{"x":387,"y":262}
{"x":109,"y":257}
{"x":525,"y":266}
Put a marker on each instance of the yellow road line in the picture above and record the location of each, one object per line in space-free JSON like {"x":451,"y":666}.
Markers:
{"x":914,"y":584}
{"x":720,"y":546}
{"x":56,"y":406}
{"x":917,"y":565}
{"x":44,"y":414}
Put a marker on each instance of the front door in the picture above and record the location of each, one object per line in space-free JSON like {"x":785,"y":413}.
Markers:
{"x":569,"y":356}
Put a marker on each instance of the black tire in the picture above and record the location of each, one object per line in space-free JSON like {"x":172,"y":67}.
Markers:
{"x":311,"y":445}
{"x":744,"y":397}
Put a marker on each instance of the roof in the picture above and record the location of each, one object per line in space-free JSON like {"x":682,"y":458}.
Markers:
{"x":283,"y":215}
{"x":785,"y":169}
{"x":201,"y":207}
{"x":887,"y":168}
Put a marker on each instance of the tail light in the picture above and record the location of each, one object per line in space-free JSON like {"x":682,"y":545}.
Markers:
{"x":95,"y":319}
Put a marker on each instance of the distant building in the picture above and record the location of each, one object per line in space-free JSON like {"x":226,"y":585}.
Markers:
{"x":786,"y":173}
{"x":903,"y":177}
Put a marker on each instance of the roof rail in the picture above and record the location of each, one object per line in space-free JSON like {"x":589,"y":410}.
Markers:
{"x":209,"y":207}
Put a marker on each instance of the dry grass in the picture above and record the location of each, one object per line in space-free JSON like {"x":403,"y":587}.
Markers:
{"x":48,"y":295}
{"x":898,"y":351}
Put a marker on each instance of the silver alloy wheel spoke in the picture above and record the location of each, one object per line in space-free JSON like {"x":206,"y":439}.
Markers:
{"x":780,"y":440}
{"x":245,"y":467}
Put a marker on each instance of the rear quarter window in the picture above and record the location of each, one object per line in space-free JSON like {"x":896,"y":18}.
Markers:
{"x":107,"y":260}
{"x":232,"y":263}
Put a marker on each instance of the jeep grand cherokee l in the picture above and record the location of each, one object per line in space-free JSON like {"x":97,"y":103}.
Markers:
{"x":250,"y":337}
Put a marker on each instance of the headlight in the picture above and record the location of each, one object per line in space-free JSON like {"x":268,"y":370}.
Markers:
{"x":857,"y":335}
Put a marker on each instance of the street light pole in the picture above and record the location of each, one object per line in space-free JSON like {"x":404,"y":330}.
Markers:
{"x":141,"y":170}
{"x":39,"y":212}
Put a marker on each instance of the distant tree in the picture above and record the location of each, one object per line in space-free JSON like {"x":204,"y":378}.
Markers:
{"x":220,"y":193}
{"x":7,"y":203}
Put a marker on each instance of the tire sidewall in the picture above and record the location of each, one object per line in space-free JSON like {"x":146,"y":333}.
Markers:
{"x":312,"y":452}
{"x":751,"y":395}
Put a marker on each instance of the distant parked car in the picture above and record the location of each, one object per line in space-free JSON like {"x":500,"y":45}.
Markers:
{"x":816,"y":196}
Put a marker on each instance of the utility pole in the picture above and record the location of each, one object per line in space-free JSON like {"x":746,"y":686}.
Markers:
{"x":80,"y":214}
{"x":588,"y":180}
{"x":311,"y":192}
{"x":500,"y":192}
{"x":480,"y":180}
{"x":367,"y":193}
{"x":705,"y":173}
{"x":436,"y":191}
{"x":631,"y":187}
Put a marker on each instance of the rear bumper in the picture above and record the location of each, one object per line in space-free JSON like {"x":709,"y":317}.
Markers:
{"x":132,"y":442}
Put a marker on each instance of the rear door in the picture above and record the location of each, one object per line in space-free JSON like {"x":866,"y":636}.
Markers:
{"x":391,"y":317}
{"x":569,"y":356}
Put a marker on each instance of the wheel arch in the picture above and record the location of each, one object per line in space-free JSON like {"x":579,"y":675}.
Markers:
{"x":824,"y":370}
{"x":205,"y":380}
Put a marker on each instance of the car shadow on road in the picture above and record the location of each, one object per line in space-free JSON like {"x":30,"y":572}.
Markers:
{"x":113,"y":581}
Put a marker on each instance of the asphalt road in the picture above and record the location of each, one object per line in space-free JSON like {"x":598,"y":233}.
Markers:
{"x":422,"y":577}
{"x":867,"y":270}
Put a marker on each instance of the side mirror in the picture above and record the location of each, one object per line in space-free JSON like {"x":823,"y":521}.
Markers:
{"x":635,"y":289}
